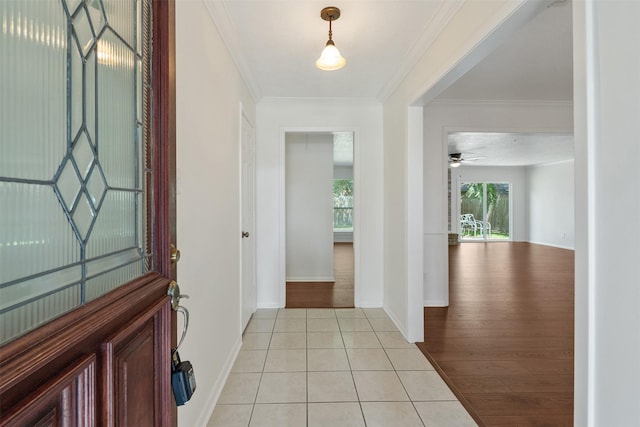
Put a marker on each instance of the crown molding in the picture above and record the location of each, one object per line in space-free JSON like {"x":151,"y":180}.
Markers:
{"x":502,"y":102}
{"x":228,"y":32}
{"x":432,"y":29}
{"x":320,"y":100}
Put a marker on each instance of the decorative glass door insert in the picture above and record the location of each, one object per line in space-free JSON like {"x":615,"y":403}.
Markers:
{"x":74,"y":154}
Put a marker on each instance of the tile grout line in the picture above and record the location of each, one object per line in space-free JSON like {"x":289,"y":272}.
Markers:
{"x":255,"y":399}
{"x":331,"y":368}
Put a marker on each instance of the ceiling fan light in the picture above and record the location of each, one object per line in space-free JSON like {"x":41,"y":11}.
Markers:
{"x":455,"y":164}
{"x":330,"y":58}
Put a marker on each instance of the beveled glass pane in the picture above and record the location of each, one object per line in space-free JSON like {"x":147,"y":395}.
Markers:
{"x":68,"y":184}
{"x":116,"y":103}
{"x":115,"y":227}
{"x":95,"y":13}
{"x":96,"y":186}
{"x":76,"y":89}
{"x":139,"y":27}
{"x":90,"y":95}
{"x":82,"y":30}
{"x":33,"y":57}
{"x":33,"y":227}
{"x":83,"y":216}
{"x":121,"y":15}
{"x":83,"y":155}
{"x":139,"y":95}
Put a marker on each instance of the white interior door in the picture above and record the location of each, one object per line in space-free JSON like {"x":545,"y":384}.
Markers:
{"x":248,"y":221}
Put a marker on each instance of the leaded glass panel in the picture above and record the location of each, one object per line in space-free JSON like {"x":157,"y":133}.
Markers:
{"x":74,"y":154}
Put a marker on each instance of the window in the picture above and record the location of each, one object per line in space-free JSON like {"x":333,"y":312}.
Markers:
{"x":484,"y":211}
{"x":342,"y":205}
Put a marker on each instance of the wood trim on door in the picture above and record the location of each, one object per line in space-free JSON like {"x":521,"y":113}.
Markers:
{"x":67,"y":394}
{"x":119,"y":381}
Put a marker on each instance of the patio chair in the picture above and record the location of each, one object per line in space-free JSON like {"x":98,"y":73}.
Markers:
{"x":468,"y":224}
{"x":481,"y":225}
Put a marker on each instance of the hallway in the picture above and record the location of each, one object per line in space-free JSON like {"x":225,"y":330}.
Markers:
{"x":339,"y":368}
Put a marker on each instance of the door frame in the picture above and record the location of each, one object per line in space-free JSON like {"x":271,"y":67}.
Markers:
{"x":282,"y":295}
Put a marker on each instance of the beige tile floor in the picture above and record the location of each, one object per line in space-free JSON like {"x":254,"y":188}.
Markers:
{"x":333,"y":368}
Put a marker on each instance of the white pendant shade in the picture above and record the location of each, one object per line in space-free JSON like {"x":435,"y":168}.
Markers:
{"x":330,"y":59}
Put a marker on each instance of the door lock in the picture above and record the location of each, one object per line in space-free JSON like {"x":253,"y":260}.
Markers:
{"x":245,"y":234}
{"x":174,"y":254}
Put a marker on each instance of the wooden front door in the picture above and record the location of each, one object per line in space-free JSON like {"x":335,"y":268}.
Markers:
{"x":108,"y":360}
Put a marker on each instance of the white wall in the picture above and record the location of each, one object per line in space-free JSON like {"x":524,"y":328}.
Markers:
{"x":550,"y":196}
{"x":475,"y":30}
{"x":309,"y":207}
{"x":607,"y":318}
{"x":541,"y":200}
{"x":208,"y":91}
{"x":442,"y":117}
{"x":363,"y":117}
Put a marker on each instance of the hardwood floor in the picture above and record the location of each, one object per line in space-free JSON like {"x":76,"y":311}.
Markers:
{"x":327,"y":294}
{"x":505,"y":343}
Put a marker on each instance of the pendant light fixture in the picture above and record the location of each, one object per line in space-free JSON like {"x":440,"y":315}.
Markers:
{"x":330,"y":59}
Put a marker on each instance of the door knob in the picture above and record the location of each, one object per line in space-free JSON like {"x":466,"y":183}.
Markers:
{"x":245,"y":234}
{"x":175,"y":254}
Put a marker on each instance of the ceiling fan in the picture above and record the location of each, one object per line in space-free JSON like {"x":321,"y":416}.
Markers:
{"x":456,"y":159}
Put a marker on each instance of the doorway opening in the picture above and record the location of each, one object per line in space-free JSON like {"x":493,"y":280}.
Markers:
{"x":319,"y":188}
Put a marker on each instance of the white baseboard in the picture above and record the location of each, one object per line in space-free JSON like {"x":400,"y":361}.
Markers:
{"x":214,"y":394}
{"x":311,"y":279}
{"x":369,"y":304}
{"x":343,"y":236}
{"x":269,"y":305}
{"x":395,"y":322}
{"x":554,"y":246}
{"x":435,"y":303}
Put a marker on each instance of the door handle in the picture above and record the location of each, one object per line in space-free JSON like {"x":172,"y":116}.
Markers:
{"x":245,"y":234}
{"x":175,"y":295}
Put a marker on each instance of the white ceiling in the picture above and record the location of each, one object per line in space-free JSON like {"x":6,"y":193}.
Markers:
{"x":510,"y":149}
{"x":275,"y":44}
{"x":536,"y":63}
